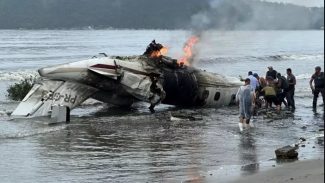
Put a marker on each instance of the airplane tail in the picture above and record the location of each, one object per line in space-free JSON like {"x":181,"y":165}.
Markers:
{"x":47,"y":94}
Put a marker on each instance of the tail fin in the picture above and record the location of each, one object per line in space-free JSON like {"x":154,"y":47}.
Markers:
{"x":48,"y":93}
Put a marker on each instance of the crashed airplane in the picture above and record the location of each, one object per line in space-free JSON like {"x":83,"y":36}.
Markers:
{"x":122,"y":81}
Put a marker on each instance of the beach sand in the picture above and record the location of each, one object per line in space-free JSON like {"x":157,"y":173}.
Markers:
{"x":307,"y":171}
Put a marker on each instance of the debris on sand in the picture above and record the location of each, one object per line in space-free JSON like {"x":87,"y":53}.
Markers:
{"x":286,"y":152}
{"x":181,"y":115}
{"x":185,"y":115}
{"x":274,"y":115}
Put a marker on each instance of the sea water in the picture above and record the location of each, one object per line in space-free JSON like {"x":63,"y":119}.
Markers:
{"x":108,"y":144}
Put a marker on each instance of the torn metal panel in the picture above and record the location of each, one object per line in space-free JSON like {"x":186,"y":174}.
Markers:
{"x":137,"y":85}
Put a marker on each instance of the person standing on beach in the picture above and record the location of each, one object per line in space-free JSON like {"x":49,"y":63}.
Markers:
{"x":291,"y":89}
{"x":318,"y":79}
{"x":245,"y":97}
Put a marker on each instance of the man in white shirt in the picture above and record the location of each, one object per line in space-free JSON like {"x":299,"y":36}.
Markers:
{"x":253,"y":81}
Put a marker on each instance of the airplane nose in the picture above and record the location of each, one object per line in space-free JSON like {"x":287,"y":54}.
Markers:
{"x":63,"y":72}
{"x":53,"y":71}
{"x":70,"y":71}
{"x":44,"y":72}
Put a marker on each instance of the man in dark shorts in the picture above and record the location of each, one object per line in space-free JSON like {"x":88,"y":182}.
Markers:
{"x":318,"y":79}
{"x":282,"y":89}
{"x":291,"y":89}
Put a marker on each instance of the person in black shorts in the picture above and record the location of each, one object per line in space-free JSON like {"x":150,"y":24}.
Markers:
{"x":270,"y":96}
{"x":282,"y":89}
{"x":291,"y":89}
{"x":318,"y":79}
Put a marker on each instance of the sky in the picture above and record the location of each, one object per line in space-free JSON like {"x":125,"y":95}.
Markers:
{"x":309,"y":3}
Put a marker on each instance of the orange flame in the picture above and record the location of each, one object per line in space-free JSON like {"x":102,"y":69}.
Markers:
{"x":156,"y":54}
{"x":188,"y":50}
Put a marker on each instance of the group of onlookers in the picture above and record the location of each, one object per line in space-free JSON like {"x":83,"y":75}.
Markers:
{"x":278,"y":89}
{"x":274,"y":89}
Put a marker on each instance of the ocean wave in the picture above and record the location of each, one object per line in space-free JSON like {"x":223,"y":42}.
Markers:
{"x":284,"y":57}
{"x":16,"y":75}
{"x":293,"y":57}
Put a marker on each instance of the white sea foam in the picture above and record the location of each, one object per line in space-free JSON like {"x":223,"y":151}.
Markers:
{"x":3,"y":113}
{"x":318,"y":56}
{"x":304,"y":76}
{"x":305,"y":57}
{"x":16,"y":75}
{"x":284,"y":57}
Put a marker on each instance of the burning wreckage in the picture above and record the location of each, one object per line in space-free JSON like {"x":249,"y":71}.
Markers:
{"x":122,"y":81}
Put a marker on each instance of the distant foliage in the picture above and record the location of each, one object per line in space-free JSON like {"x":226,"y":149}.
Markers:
{"x":19,"y":90}
{"x":157,"y":14}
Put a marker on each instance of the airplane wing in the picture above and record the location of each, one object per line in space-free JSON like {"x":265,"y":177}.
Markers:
{"x":48,"y":93}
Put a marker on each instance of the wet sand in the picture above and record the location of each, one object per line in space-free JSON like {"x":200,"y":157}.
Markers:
{"x":297,"y":172}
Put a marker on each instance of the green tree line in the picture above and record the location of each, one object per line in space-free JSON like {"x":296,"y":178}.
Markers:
{"x":157,"y":14}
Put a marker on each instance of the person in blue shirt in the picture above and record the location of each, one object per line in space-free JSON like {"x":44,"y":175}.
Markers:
{"x":253,"y":81}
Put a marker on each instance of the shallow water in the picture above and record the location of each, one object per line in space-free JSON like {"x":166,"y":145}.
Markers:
{"x":108,"y":144}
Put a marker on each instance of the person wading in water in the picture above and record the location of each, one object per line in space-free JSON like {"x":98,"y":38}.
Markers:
{"x":245,"y":98}
{"x":318,"y":79}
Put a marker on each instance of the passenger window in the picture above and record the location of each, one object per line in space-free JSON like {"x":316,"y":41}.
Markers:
{"x":217,"y":96}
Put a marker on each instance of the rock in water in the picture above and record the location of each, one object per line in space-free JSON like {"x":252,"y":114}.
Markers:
{"x":302,"y":139}
{"x":286,"y":152}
